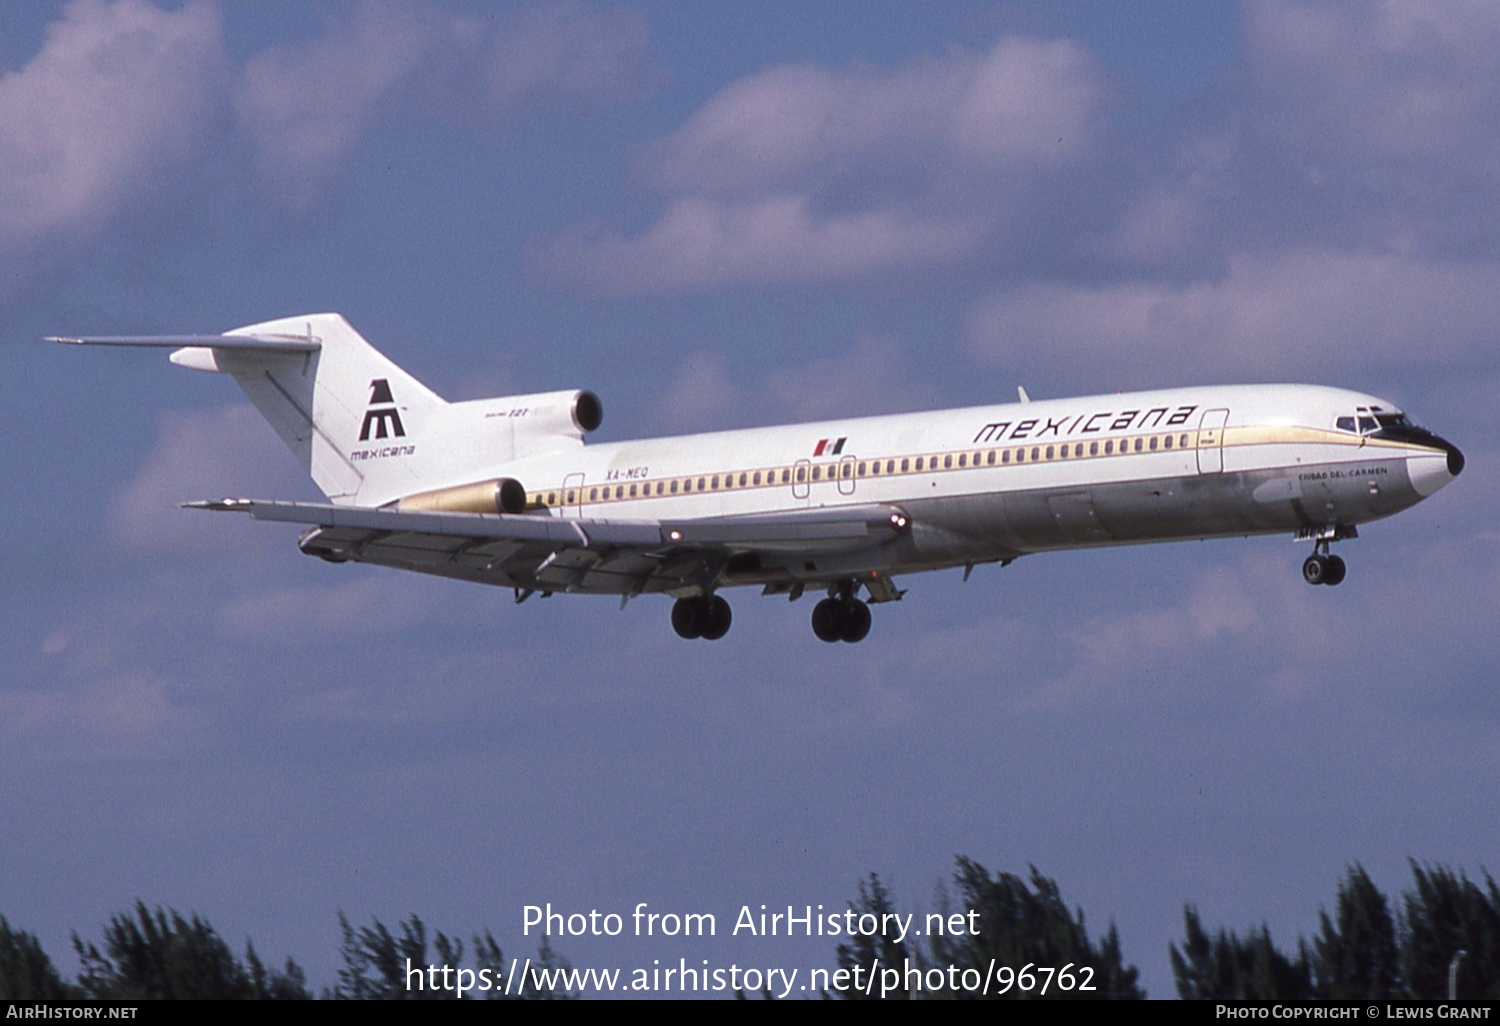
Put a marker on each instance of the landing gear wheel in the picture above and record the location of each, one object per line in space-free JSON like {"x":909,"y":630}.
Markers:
{"x":828,"y":619}
{"x":716,"y":619}
{"x":1336,"y":570}
{"x":856,"y":621}
{"x":689,"y":618}
{"x":1315,"y":569}
{"x":705,"y":616}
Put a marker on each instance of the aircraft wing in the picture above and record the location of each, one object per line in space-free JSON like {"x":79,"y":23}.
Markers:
{"x":546,"y":553}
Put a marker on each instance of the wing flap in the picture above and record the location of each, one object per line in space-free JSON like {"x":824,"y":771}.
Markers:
{"x":823,"y":529}
{"x":538,"y":551}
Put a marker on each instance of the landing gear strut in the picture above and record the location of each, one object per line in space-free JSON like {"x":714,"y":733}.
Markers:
{"x":703,"y":616}
{"x":842,"y":617}
{"x":1322,"y":567}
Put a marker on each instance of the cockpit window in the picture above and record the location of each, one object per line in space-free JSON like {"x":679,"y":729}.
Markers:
{"x":1345,"y":423}
{"x":1393,"y":420}
{"x":1367,"y":423}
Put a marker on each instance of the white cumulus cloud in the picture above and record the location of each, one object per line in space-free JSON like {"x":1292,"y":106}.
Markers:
{"x":117,"y":92}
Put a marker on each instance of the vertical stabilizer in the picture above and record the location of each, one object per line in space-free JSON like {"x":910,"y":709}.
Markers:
{"x":353,"y":418}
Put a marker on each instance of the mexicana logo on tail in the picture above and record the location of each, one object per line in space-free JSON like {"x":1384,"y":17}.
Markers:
{"x":382,"y":413}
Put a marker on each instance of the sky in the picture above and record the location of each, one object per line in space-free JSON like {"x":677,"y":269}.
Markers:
{"x":716,"y":218}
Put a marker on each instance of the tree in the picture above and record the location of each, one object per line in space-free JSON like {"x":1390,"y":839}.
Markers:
{"x":160,"y":955}
{"x":1355,"y":954}
{"x":26,"y":973}
{"x":1445,"y":914}
{"x":382,"y":965}
{"x":1018,"y":925}
{"x":865,"y":949}
{"x":1225,"y":967}
{"x":1021,"y":925}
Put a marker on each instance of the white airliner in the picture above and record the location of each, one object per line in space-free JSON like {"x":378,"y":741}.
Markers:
{"x":504,"y":491}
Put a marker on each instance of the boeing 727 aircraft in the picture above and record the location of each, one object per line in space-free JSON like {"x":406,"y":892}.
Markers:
{"x":504,"y":491}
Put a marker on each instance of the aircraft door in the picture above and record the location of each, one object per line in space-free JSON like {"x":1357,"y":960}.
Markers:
{"x":572,"y":495}
{"x":802,"y":480}
{"x":1211,"y":441}
{"x":846,"y":476}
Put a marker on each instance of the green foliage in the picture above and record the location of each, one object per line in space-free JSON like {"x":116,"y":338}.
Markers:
{"x":863,"y":949}
{"x":26,"y":973}
{"x":159,"y":955}
{"x":380,"y":965}
{"x":1228,"y":967}
{"x":1445,"y":914}
{"x":1356,"y":956}
{"x":1362,"y":951}
{"x":1019,"y":924}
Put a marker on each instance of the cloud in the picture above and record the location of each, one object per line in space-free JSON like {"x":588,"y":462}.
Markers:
{"x":700,"y":243}
{"x":203,"y":454}
{"x":874,"y":377}
{"x":373,"y":603}
{"x":305,"y":105}
{"x":1280,"y":314}
{"x":118,"y":92}
{"x":811,"y":174}
{"x":127,"y":713}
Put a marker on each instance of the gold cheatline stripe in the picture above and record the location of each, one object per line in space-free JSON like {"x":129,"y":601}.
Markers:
{"x":1006,"y":456}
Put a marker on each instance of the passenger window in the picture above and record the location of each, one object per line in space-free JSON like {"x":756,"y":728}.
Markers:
{"x":552,"y":498}
{"x":632,"y":491}
{"x":1109,"y":448}
{"x":1093,"y":448}
{"x":991,"y":458}
{"x":1153,"y":443}
{"x":700,"y":484}
{"x":861,"y":470}
{"x":961,"y":459}
{"x":1182,"y":442}
{"x":1020,"y":455}
{"x":948,"y":462}
{"x":756,"y":479}
{"x":674,"y":487}
{"x":1035,"y":453}
{"x":1138,"y":444}
{"x":593,"y":494}
{"x":1168,"y":442}
{"x":817,"y":473}
{"x":848,"y":470}
{"x":1005,"y":456}
{"x":786,"y":475}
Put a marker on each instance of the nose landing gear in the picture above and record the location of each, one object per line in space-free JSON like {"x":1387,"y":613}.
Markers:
{"x":1323,"y":568}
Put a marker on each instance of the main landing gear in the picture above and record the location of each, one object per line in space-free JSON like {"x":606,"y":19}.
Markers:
{"x":703,"y":616}
{"x":841,"y":617}
{"x":1323,"y":568}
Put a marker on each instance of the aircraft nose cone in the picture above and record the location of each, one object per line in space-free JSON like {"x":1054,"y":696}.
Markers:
{"x":1455,"y":458}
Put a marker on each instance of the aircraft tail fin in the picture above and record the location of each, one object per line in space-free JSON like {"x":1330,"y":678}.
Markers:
{"x":349,"y":414}
{"x":365,"y":430}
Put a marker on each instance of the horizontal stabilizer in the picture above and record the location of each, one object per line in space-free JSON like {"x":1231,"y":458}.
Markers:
{"x":276,"y":343}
